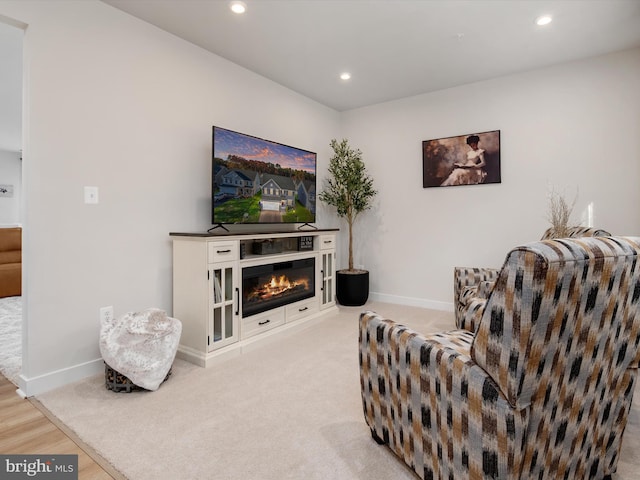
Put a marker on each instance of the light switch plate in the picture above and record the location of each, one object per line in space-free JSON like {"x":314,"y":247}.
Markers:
{"x":90,"y":194}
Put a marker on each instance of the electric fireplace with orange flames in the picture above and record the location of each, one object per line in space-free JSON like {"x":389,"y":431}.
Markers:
{"x":269,"y":286}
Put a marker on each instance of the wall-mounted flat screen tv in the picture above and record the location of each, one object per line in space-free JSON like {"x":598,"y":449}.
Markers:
{"x":260,"y":181}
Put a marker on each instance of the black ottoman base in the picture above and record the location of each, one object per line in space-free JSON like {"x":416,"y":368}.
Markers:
{"x":118,"y":382}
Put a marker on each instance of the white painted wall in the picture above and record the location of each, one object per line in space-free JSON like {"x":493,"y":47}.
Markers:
{"x":116,"y":103}
{"x":10,"y":174}
{"x":10,"y":86}
{"x":574,"y":126}
{"x":113,"y":102}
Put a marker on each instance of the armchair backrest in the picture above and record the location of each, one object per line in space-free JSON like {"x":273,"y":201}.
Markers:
{"x":563,"y":319}
{"x":560,"y":337}
{"x":574,"y":232}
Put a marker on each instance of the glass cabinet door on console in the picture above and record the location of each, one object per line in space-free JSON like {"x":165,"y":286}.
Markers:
{"x":224,"y":306}
{"x":328,"y":286}
{"x":327,"y":245}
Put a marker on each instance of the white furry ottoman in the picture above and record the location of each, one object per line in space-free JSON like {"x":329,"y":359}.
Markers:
{"x":141,"y":346}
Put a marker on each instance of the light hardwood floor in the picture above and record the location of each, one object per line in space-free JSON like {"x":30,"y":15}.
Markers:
{"x":25,"y":429}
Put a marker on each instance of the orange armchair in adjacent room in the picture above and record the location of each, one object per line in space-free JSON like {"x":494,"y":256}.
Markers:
{"x":10,"y":262}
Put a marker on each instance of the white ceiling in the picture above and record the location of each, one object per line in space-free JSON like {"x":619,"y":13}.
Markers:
{"x":393,"y":48}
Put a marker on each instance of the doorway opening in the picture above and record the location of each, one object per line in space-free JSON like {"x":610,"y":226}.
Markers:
{"x":11,"y":215}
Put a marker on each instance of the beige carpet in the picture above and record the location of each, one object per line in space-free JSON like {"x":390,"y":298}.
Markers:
{"x":289,"y":409}
{"x":11,"y":338}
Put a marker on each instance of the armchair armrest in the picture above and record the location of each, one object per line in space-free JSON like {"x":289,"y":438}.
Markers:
{"x":472,"y":287}
{"x":471,"y":277}
{"x":468,"y":315}
{"x":440,"y":412}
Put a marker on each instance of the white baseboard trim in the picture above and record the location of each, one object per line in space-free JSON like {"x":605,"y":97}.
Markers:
{"x":413,"y":302}
{"x":32,"y":386}
{"x":245,"y":345}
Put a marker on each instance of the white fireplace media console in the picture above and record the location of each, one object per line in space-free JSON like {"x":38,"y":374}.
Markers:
{"x":208,"y":287}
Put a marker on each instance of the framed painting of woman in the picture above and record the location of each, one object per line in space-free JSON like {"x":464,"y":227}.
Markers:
{"x":471,"y":159}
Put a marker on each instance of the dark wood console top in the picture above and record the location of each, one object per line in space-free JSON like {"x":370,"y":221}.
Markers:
{"x":248,"y":234}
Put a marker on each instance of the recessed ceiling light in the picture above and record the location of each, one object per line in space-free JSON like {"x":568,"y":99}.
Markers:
{"x":238,"y":7}
{"x":345,"y":76}
{"x":543,"y":20}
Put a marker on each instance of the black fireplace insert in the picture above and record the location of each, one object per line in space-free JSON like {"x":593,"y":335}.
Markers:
{"x":269,"y":286}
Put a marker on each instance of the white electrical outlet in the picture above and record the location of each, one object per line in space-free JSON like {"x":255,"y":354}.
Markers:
{"x":106,"y":314}
{"x":90,"y":194}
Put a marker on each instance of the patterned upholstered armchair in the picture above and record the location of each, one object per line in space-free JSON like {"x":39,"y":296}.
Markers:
{"x":542,"y":390}
{"x":471,"y":286}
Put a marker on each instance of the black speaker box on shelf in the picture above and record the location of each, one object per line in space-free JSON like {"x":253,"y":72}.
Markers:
{"x":264,"y":247}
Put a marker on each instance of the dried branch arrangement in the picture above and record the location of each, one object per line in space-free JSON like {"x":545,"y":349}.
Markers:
{"x":559,"y":214}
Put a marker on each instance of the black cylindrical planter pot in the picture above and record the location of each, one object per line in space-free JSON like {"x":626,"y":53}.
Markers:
{"x":352,"y":289}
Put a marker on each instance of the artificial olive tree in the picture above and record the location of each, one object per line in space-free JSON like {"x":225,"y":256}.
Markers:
{"x":349,"y":188}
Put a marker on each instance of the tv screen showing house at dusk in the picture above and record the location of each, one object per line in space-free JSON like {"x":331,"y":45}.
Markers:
{"x":261,"y":181}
